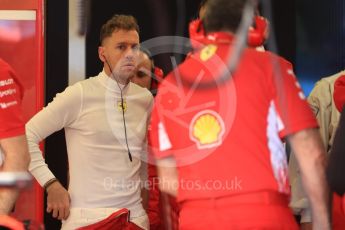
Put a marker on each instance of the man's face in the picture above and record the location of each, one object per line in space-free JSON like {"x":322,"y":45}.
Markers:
{"x":119,"y":54}
{"x":143,"y":73}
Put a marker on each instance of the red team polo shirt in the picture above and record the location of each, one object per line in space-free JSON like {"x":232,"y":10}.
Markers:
{"x":11,"y":120}
{"x":227,"y":140}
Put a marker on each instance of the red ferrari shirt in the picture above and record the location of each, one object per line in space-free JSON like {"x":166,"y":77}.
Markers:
{"x":227,"y":139}
{"x":11,"y":120}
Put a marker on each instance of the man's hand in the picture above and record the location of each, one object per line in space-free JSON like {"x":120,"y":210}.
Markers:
{"x":58,"y":201}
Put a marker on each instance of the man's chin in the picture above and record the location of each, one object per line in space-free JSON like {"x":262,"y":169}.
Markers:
{"x":126,"y":76}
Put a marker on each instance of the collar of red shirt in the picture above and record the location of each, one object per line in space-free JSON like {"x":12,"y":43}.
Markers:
{"x":220,"y":37}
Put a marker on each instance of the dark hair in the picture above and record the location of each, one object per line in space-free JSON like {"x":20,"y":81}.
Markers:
{"x":117,"y":22}
{"x":223,"y":15}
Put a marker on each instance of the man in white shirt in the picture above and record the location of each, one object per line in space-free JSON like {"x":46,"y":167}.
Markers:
{"x":105,"y":121}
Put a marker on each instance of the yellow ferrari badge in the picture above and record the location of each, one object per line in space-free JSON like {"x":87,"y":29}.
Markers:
{"x":120,"y":107}
{"x":207,"y":52}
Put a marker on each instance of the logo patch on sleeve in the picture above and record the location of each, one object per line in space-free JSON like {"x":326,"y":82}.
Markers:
{"x":208,"y":52}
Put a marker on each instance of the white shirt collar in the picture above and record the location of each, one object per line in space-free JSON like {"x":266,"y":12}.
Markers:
{"x":111,"y":84}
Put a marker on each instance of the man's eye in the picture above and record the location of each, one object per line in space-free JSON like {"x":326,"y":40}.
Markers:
{"x":121,"y":47}
{"x":135,"y":47}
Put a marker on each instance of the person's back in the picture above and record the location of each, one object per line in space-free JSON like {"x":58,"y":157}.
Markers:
{"x":232,"y":135}
{"x":226,"y":139}
{"x":244,"y":109}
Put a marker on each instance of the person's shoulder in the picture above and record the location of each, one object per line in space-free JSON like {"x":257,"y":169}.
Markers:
{"x":89,"y":80}
{"x":326,"y":82}
{"x":331,"y":79}
{"x":268,"y":62}
{"x":324,"y":87}
{"x":136,"y":89}
{"x":270,"y":57}
{"x":203,"y":61}
{"x":73,"y":90}
{"x":89,"y":84}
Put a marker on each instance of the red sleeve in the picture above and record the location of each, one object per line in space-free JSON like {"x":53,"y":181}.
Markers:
{"x":154,"y":200}
{"x":290,"y":102}
{"x":160,"y":142}
{"x":11,"y":119}
{"x":154,"y":193}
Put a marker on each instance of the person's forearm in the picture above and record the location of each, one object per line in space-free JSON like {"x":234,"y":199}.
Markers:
{"x":311,"y":157}
{"x":17,"y":159}
{"x":8,"y":198}
{"x":38,"y":168}
{"x":168,"y":179}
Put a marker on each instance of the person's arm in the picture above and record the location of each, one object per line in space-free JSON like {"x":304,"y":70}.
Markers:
{"x":168,"y":177}
{"x":319,"y":100}
{"x":13,"y":143}
{"x":311,"y":157}
{"x":336,"y":166}
{"x":60,"y":113}
{"x":58,"y":200}
{"x":17,"y":159}
{"x":153,"y":210}
{"x":162,"y":151}
{"x":144,"y":173}
{"x":299,"y":123}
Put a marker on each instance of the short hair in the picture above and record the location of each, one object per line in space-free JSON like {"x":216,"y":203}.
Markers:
{"x":223,"y":15}
{"x":118,"y":22}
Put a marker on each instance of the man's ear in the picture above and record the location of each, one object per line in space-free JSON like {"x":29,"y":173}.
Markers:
{"x":101,"y":53}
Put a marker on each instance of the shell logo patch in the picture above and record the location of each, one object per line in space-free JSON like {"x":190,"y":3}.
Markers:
{"x":207,"y":52}
{"x":207,"y":129}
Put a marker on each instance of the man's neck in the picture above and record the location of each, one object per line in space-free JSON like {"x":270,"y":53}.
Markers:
{"x":116,"y":78}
